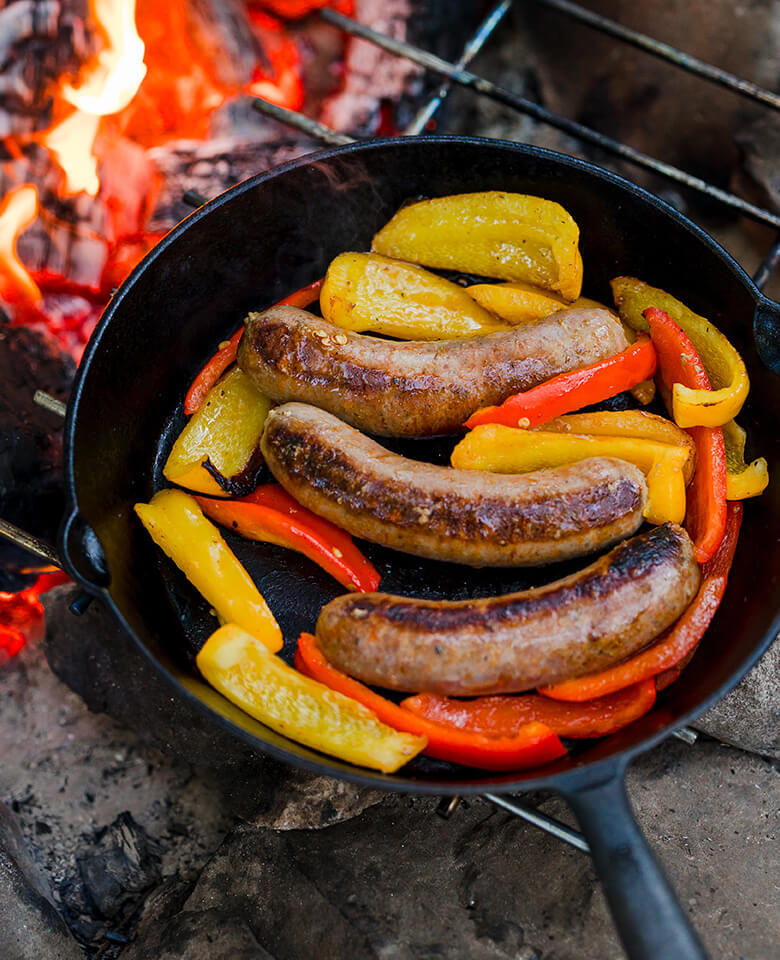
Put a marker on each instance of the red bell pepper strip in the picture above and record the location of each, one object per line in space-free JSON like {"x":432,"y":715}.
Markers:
{"x":226,"y":354}
{"x":266,"y":515}
{"x":500,"y":716}
{"x":678,"y":642}
{"x":532,"y":745}
{"x":679,"y":362}
{"x":573,"y":390}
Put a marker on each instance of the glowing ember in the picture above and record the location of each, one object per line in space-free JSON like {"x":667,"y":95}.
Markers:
{"x":71,"y":142}
{"x":18,"y":209}
{"x":282,"y":84}
{"x":116,"y":74}
{"x":20,"y":613}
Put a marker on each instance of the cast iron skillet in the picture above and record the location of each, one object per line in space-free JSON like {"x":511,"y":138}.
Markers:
{"x":278,"y":231}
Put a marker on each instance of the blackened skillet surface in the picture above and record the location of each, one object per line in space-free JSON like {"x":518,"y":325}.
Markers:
{"x":277,"y":232}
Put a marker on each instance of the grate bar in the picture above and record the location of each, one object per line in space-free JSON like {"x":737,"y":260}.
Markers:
{"x":770,"y":263}
{"x":34,"y":545}
{"x":303,"y":123}
{"x":665,"y":52}
{"x":472,"y":48}
{"x":526,"y":812}
{"x":489,"y":89}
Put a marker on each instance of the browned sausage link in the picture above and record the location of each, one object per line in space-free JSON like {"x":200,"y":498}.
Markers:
{"x":464,"y":516}
{"x":578,"y":625}
{"x":415,"y":389}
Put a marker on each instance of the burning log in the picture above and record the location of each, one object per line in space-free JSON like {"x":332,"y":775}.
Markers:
{"x":31,"y":492}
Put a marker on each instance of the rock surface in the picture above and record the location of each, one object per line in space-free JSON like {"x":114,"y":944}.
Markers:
{"x":30,"y":925}
{"x":399,"y":882}
{"x":749,"y":716}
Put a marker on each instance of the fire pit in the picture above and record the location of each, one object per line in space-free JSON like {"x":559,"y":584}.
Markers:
{"x":60,"y":272}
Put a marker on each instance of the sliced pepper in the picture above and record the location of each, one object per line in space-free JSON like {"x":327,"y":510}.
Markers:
{"x":297,"y":707}
{"x":510,"y":236}
{"x":742,"y":480}
{"x":176,"y":524}
{"x":366,"y":291}
{"x":522,"y":302}
{"x":533,"y":744}
{"x":500,"y":716}
{"x":573,"y":390}
{"x":678,"y":642}
{"x":627,"y":423}
{"x":679,"y":363}
{"x":218,"y":450}
{"x":272,"y":516}
{"x":226,"y":354}
{"x":501,"y":449}
{"x":692,"y":406}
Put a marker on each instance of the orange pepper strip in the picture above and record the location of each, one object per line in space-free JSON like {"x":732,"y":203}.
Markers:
{"x":226,"y":355}
{"x":271,"y":515}
{"x":678,"y":642}
{"x":499,"y":716}
{"x":573,"y":390}
{"x":532,"y":745}
{"x":680,"y":363}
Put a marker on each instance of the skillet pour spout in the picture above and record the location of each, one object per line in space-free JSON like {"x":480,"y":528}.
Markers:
{"x":277,"y":232}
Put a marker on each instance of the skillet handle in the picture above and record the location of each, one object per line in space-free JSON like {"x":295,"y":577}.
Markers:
{"x":649,"y":919}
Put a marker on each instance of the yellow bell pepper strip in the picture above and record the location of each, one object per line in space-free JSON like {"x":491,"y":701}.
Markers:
{"x":742,"y":480}
{"x":176,"y":523}
{"x":503,"y":449}
{"x":266,"y":688}
{"x":522,"y":302}
{"x":627,"y":423}
{"x":573,"y":390}
{"x":500,"y":716}
{"x":691,"y":406}
{"x":510,"y":236}
{"x":226,"y":354}
{"x":218,"y":451}
{"x":679,"y":363}
{"x":270,"y":515}
{"x":365,"y":291}
{"x":675,"y":645}
{"x":532,"y":745}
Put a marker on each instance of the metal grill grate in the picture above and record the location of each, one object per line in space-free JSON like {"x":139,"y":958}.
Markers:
{"x":456,"y":73}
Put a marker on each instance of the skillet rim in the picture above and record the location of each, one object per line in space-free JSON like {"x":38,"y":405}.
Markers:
{"x":585,"y":771}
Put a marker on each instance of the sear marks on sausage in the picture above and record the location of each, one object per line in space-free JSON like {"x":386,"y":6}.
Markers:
{"x":415,"y":388}
{"x":463,"y":516}
{"x":575,"y":626}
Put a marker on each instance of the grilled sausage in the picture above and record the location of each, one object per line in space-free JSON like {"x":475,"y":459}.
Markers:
{"x":415,"y":389}
{"x":465,"y":516}
{"x":575,"y":626}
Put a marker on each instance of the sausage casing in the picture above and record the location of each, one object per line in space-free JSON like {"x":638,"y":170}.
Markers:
{"x":463,"y":516}
{"x":575,"y":626}
{"x":415,"y":388}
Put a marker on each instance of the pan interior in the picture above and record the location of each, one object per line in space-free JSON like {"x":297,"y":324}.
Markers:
{"x":276,"y":233}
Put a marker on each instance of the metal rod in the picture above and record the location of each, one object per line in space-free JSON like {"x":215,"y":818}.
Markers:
{"x":532,"y":815}
{"x":472,"y":48}
{"x":194,"y":199}
{"x":305,"y":124}
{"x":50,"y":403}
{"x":770,"y":263}
{"x":19,"y":537}
{"x":665,"y":52}
{"x":489,"y":89}
{"x":686,"y":735}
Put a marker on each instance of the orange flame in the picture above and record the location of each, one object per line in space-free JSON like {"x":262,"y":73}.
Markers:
{"x":18,"y":209}
{"x":71,"y":142}
{"x":117,"y":71}
{"x":110,"y":83}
